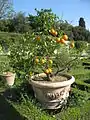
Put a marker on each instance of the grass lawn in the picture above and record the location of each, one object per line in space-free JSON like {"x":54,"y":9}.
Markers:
{"x":22,"y":104}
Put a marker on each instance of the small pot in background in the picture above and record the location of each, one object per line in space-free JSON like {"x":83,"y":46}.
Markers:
{"x":9,"y":77}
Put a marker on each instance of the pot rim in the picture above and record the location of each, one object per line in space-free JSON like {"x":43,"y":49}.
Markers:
{"x":8,"y":75}
{"x":49,"y":84}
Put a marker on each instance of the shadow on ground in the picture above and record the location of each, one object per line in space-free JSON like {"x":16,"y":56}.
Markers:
{"x":14,"y":94}
{"x":7,"y":111}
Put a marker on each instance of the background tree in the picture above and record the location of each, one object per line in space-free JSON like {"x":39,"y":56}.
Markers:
{"x":81,"y":34}
{"x":5,"y":8}
{"x":4,"y":25}
{"x":82,"y":22}
{"x":19,"y":23}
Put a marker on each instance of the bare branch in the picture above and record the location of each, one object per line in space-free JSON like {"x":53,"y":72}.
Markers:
{"x":5,"y":7}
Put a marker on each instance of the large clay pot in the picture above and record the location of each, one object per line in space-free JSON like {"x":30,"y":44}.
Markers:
{"x":9,"y":77}
{"x":52,"y":95}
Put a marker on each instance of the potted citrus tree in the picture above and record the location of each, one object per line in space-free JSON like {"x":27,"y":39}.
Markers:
{"x":50,"y":84}
{"x":45,"y":55}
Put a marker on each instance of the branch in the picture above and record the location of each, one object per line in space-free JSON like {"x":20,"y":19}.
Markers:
{"x":65,"y":68}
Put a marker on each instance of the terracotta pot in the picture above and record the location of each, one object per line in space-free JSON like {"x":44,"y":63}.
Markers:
{"x":9,"y":77}
{"x":52,"y":95}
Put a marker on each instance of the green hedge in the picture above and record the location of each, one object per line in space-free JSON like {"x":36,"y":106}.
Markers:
{"x":6,"y":39}
{"x":78,"y":106}
{"x":76,"y":113}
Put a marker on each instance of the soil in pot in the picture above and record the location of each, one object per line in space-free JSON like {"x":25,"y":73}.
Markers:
{"x":53,"y":78}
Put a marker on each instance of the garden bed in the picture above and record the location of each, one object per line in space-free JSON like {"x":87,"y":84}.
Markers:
{"x":23,"y":101}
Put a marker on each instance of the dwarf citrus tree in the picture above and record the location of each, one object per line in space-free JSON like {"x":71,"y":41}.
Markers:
{"x":38,"y":52}
{"x":47,"y":50}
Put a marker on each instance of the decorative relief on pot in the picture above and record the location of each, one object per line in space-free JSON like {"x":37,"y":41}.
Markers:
{"x":56,"y":95}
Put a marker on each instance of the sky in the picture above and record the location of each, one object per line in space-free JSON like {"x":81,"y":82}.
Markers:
{"x":70,"y":10}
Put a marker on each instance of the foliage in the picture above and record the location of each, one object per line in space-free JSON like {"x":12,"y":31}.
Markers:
{"x":44,"y":19}
{"x":4,"y":65}
{"x":5,"y":8}
{"x":75,"y":113}
{"x":81,"y":34}
{"x":82,"y":77}
{"x":77,"y":97}
{"x":4,"y":25}
{"x":19,"y":23}
{"x":66,"y":27}
{"x":7,"y":39}
{"x":30,"y":110}
{"x":81,"y":45}
{"x":38,"y":52}
{"x":78,"y":106}
{"x":82,"y":22}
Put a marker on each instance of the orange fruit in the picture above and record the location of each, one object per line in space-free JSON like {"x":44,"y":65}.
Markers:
{"x":65,"y":37}
{"x":50,"y":70}
{"x":62,"y":41}
{"x":43,"y":61}
{"x":52,"y":30}
{"x":55,"y":33}
{"x":47,"y":71}
{"x":36,"y":60}
{"x":72,"y":45}
{"x":58,"y":40}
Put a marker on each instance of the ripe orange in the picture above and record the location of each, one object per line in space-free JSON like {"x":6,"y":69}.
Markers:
{"x":65,"y":37}
{"x":52,"y":30}
{"x":55,"y":33}
{"x":62,"y":41}
{"x":50,"y":70}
